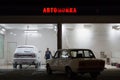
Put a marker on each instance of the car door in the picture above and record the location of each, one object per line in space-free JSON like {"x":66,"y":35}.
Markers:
{"x":55,"y":61}
{"x":63,"y":60}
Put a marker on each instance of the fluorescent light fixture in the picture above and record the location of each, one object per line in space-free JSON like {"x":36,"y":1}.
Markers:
{"x":116,"y":27}
{"x":3,"y":29}
{"x":55,"y":28}
{"x":1,"y":32}
{"x":14,"y":34}
{"x":11,"y":32}
{"x":30,"y":31}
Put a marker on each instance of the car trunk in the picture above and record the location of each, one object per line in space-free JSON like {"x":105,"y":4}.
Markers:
{"x":91,"y":64}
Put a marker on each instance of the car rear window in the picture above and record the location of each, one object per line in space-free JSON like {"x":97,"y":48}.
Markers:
{"x":24,"y":50}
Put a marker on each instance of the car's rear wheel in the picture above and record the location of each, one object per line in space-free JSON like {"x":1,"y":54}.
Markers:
{"x":49,"y":71}
{"x":36,"y":65}
{"x":20,"y":66}
{"x":15,"y":66}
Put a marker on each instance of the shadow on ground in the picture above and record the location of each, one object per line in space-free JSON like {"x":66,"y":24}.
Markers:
{"x":42,"y":75}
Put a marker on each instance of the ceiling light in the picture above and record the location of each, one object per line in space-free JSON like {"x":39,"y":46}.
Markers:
{"x":3,"y":29}
{"x":116,"y":27}
{"x":11,"y":32}
{"x":14,"y":34}
{"x":1,"y":32}
{"x":55,"y":28}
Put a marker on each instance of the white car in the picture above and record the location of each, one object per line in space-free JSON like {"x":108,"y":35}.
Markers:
{"x":26,"y":55}
{"x":74,"y":61}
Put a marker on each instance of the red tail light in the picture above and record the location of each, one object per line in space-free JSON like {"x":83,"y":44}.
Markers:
{"x":16,"y":55}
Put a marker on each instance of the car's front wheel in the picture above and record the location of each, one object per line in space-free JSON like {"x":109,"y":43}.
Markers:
{"x":94,"y":74}
{"x":69,"y":72}
{"x":49,"y":71}
{"x":36,"y":65}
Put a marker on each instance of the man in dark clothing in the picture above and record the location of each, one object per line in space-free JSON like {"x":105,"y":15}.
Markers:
{"x":48,"y":54}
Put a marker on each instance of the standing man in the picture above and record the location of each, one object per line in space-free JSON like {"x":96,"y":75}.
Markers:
{"x":48,"y":54}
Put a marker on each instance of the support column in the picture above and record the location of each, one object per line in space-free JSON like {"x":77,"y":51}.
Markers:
{"x":59,"y":36}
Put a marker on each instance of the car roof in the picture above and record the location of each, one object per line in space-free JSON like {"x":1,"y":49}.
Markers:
{"x":73,"y":49}
{"x":25,"y":46}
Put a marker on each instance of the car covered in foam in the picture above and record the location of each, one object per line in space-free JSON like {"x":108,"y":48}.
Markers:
{"x":26,"y":55}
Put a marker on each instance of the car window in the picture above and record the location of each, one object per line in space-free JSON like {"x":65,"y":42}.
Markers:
{"x":88,"y":54}
{"x":64,"y":54}
{"x":57,"y":54}
{"x":24,"y":50}
{"x":73,"y":53}
{"x":77,"y":54}
{"x":80,"y":54}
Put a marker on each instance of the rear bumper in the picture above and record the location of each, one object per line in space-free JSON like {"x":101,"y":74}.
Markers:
{"x":25,"y":61}
{"x":89,"y":70}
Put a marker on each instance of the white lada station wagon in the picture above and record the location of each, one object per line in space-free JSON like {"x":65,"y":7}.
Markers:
{"x":75,"y":61}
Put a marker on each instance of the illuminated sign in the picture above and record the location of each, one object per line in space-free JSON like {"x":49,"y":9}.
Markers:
{"x":59,"y":10}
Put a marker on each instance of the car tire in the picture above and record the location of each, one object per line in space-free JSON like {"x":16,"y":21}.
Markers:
{"x":48,"y":69}
{"x":94,"y":74}
{"x":36,"y":65}
{"x":14,"y":66}
{"x":69,"y":72}
{"x":20,"y":66}
{"x":82,"y":73}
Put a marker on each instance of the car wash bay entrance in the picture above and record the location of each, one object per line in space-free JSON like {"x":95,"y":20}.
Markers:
{"x":59,"y":20}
